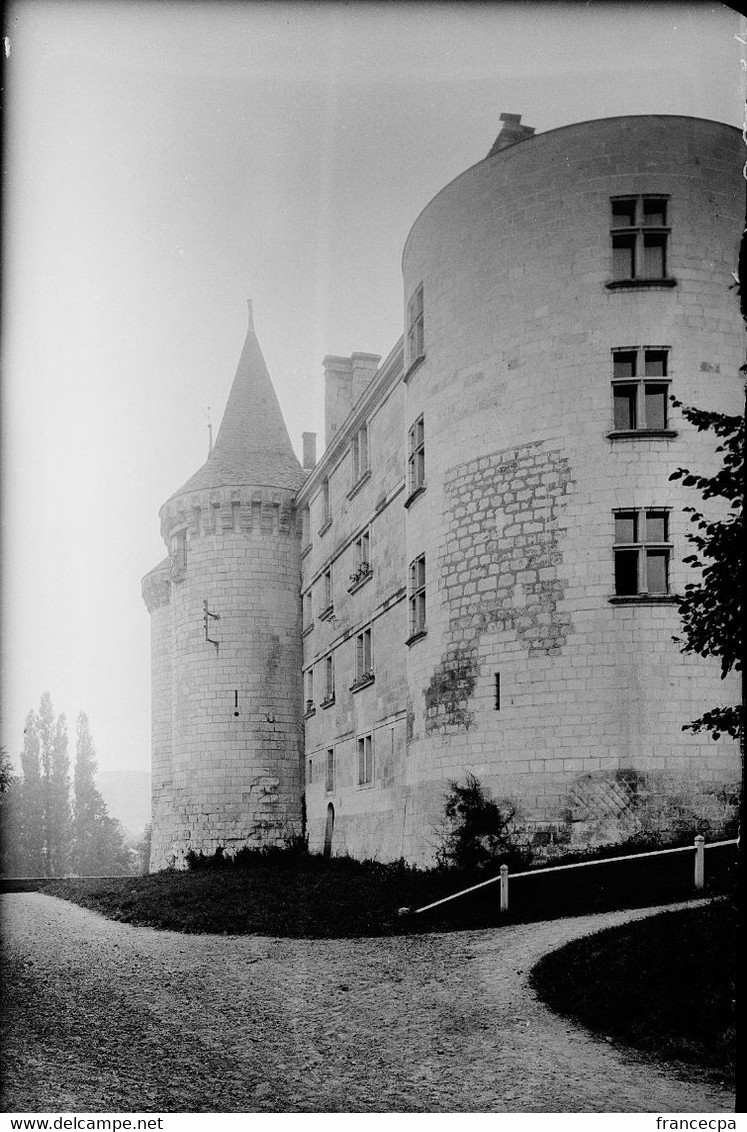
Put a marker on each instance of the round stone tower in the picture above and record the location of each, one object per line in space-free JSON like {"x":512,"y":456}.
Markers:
{"x":558,"y":295}
{"x":225,"y":632}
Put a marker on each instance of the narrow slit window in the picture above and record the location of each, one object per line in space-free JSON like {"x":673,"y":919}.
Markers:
{"x":365,"y":760}
{"x":416,"y":456}
{"x":415,"y":326}
{"x":363,"y":655}
{"x":417,"y":596}
{"x":329,"y":678}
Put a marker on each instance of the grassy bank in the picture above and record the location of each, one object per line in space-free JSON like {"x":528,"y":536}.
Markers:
{"x":282,"y":895}
{"x":292,"y":894}
{"x":663,"y":985}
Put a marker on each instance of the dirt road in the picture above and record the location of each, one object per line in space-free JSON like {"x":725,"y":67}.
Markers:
{"x":105,"y":1017}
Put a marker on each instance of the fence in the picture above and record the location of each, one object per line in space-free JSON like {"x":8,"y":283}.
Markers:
{"x":698,"y":848}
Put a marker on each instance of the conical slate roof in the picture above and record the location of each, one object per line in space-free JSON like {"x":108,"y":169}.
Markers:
{"x":253,"y":446}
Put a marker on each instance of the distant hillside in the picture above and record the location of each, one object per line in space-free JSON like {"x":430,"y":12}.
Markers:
{"x":127,"y":797}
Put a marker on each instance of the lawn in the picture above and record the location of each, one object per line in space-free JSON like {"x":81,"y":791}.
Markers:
{"x":296,"y":894}
{"x":665,"y":985}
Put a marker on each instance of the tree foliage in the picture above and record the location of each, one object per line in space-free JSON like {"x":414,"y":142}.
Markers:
{"x":142,"y":849}
{"x":710,"y":608}
{"x":30,"y":822}
{"x":98,"y":844}
{"x":59,"y":819}
{"x":40,"y":837}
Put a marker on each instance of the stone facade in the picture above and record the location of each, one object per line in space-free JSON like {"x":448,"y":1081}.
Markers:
{"x":533,"y":673}
{"x":464,"y":606}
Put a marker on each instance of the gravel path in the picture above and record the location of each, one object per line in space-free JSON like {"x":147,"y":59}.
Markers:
{"x":105,"y":1017}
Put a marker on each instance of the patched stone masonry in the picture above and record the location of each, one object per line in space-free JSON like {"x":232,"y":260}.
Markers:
{"x":499,"y":567}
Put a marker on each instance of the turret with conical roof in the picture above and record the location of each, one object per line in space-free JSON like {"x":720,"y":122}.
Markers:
{"x":253,"y":446}
{"x":226,"y":648}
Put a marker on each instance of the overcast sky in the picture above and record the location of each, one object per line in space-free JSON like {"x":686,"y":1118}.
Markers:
{"x":166,"y":162}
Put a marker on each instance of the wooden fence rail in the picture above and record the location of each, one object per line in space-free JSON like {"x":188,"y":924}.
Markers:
{"x":698,"y":848}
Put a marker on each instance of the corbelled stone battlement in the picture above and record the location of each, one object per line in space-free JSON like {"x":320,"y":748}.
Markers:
{"x":155,"y":586}
{"x":258,"y":509}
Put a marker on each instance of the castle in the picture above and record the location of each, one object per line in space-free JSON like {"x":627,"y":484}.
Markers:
{"x":479,"y":574}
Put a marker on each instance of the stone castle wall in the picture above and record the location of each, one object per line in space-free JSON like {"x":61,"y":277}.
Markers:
{"x":517,"y":520}
{"x":157,"y":595}
{"x":234,"y":707}
{"x":532,"y":673}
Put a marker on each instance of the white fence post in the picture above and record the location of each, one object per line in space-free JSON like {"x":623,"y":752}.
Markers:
{"x":699,"y":862}
{"x":504,"y":888}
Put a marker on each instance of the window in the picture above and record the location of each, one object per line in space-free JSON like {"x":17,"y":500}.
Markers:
{"x":362,"y":560}
{"x":497,"y":691}
{"x":415,"y":339}
{"x":309,"y":771}
{"x":363,"y":659}
{"x":329,"y":778}
{"x":308,"y":681}
{"x":640,"y":389}
{"x":326,"y":512}
{"x":308,"y":611}
{"x":359,"y":452}
{"x":328,"y":607}
{"x":363,"y":548}
{"x":416,"y":457}
{"x":639,"y":238}
{"x":417,"y":597}
{"x":329,"y":680}
{"x":642,"y":552}
{"x":365,"y":760}
{"x":178,"y":554}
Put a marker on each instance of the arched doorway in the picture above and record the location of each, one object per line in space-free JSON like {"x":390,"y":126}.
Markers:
{"x":329,"y":830}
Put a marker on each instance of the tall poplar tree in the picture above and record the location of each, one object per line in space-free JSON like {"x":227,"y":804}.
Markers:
{"x":9,"y":783}
{"x":59,"y":821}
{"x":45,"y":729}
{"x":98,"y":845}
{"x":31,"y":857}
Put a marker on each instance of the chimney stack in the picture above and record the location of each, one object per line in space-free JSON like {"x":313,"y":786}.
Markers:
{"x":345,"y":381}
{"x":338,"y":394}
{"x":364,"y":367}
{"x":309,"y":450}
{"x":512,"y":132}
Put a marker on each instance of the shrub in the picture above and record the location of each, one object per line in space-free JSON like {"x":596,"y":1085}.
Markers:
{"x":478,"y":830}
{"x":247,"y":856}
